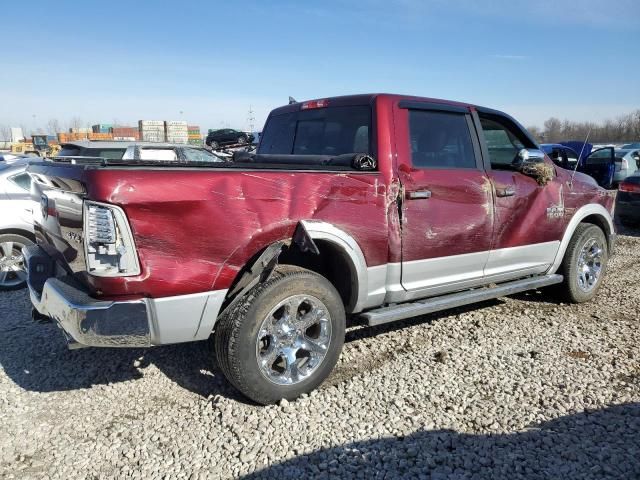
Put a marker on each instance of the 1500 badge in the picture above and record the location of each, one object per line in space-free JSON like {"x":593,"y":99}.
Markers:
{"x":555,"y":212}
{"x":75,"y":237}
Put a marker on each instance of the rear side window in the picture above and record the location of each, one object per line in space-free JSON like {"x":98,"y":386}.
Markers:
{"x":73,"y":151}
{"x":23,"y":180}
{"x":158,"y":154}
{"x":200,"y":155}
{"x":111,"y":153}
{"x":440,"y":140}
{"x":324,"y":131}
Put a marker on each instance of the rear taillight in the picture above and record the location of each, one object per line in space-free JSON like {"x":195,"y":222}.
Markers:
{"x":629,"y":187}
{"x":109,"y":247}
{"x":315,"y":104}
{"x":101,"y":227}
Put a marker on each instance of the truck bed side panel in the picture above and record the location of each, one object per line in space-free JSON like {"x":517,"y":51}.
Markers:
{"x":195,"y":229}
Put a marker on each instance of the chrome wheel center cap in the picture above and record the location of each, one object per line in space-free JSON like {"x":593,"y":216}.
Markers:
{"x":287,"y":333}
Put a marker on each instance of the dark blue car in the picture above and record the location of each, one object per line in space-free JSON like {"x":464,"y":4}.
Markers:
{"x":580,"y":156}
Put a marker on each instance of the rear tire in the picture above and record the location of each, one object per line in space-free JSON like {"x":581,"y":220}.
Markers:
{"x":584,"y":264}
{"x":264,"y":348}
{"x":12,"y":270}
{"x":242,"y":140}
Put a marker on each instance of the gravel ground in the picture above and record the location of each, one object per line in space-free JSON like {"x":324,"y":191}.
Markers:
{"x":514,"y":388}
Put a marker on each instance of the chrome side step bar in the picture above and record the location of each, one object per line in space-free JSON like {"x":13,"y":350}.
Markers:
{"x":444,"y":302}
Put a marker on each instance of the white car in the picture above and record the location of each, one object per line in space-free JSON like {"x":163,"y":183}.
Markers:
{"x":16,"y":224}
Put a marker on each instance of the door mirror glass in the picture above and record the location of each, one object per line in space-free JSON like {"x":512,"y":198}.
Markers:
{"x":528,"y":156}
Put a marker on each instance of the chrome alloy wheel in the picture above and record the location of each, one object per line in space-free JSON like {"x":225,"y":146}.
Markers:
{"x":590,"y":265}
{"x":293,"y":339}
{"x":12,"y":271}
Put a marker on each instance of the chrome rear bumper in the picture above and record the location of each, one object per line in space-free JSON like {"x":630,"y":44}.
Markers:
{"x":93,"y":322}
{"x":143,"y":322}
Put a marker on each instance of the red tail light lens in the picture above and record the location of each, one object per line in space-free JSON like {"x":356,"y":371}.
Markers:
{"x":315,"y":104}
{"x":629,"y":187}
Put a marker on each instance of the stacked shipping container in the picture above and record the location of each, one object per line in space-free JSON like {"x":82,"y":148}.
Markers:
{"x":176,"y":131}
{"x":195,"y":138}
{"x":100,"y":136}
{"x":102,"y":128}
{"x":172,"y":131}
{"x":74,"y":137}
{"x":151,"y":130}
{"x":128,"y":134}
{"x":71,"y":137}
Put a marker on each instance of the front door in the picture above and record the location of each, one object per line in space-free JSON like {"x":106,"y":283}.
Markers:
{"x":447,"y":207}
{"x":528,"y":217}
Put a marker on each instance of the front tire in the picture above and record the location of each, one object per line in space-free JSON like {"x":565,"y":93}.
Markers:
{"x":283,"y":338}
{"x":584,"y":264}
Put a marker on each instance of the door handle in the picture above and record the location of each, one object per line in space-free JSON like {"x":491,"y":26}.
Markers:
{"x":419,"y":194}
{"x":505,"y":192}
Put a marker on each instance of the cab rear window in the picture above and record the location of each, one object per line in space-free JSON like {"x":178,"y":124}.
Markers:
{"x":323,"y":131}
{"x":73,"y":151}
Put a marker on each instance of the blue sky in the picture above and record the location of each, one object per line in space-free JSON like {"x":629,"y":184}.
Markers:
{"x":105,"y":61}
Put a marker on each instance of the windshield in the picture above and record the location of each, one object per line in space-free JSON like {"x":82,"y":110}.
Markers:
{"x":324,"y":131}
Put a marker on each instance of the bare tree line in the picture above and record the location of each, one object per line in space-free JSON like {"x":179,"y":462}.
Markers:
{"x":53,"y":127}
{"x":624,"y":128}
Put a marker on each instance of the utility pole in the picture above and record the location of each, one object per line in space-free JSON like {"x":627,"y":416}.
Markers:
{"x":251,"y":119}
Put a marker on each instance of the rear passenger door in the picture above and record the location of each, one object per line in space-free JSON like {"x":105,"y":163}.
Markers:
{"x":447,"y":206}
{"x":528,"y":218}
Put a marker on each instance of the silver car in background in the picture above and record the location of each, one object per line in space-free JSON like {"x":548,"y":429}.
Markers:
{"x":16,"y":225}
{"x":627,"y":162}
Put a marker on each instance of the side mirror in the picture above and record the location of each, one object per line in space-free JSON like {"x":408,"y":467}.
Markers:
{"x":528,"y":156}
{"x":530,"y":162}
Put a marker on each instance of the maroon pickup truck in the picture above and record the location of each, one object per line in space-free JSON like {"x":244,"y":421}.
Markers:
{"x":381,"y":207}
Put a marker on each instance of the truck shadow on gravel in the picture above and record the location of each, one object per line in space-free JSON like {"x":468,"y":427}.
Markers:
{"x":36,"y":357}
{"x":590,"y":445}
{"x":54,"y":368}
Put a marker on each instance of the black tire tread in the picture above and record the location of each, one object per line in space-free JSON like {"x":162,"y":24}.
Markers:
{"x":566,"y":290}
{"x":227,"y":328}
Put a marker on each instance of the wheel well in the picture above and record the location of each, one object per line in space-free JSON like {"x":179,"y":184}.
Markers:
{"x":17,"y":231}
{"x":333,"y":263}
{"x":600,"y":222}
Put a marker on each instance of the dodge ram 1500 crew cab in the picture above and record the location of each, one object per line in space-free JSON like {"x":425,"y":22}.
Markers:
{"x":377,"y":206}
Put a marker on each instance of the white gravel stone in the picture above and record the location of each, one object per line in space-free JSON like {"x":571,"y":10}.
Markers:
{"x":520,"y":387}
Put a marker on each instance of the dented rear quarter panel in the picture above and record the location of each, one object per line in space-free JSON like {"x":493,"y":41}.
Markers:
{"x":195,"y":229}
